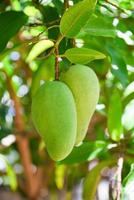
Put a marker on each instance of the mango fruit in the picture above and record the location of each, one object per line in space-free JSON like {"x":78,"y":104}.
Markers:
{"x":54,"y":116}
{"x":84,"y":85}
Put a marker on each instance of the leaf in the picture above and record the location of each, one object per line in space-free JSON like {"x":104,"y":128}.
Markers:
{"x":119,"y":68}
{"x":7,"y":66}
{"x":59,"y":176}
{"x":76,"y":17}
{"x":128,"y":98}
{"x":50,"y":14}
{"x":99,"y":26}
{"x":114,"y":116}
{"x":39,"y":48}
{"x":128,"y":93}
{"x":10,"y":173}
{"x":128,"y":116}
{"x":129,"y":177}
{"x":83,"y":55}
{"x":10,"y":23}
{"x":45,"y":72}
{"x":85,"y":152}
{"x":92,"y":179}
{"x":128,"y":185}
{"x":12,"y":176}
{"x":58,"y":5}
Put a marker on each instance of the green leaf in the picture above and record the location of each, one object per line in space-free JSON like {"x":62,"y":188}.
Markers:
{"x":99,"y":26}
{"x":119,"y":68}
{"x":58,"y":5}
{"x":76,"y":17}
{"x":7,"y":66}
{"x":10,"y":173}
{"x":128,"y":116}
{"x":39,"y":48}
{"x":10,"y":23}
{"x":12,"y":176}
{"x":129,"y":177}
{"x":85,"y":152}
{"x":92,"y":179}
{"x":50,"y":14}
{"x":128,"y":185}
{"x":114,"y":116}
{"x":45,"y":72}
{"x":83,"y":55}
{"x":128,"y":98}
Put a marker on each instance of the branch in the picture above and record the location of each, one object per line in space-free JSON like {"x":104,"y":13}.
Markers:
{"x":32,"y":178}
{"x":66,"y":4}
{"x":56,"y":64}
{"x":119,"y":173}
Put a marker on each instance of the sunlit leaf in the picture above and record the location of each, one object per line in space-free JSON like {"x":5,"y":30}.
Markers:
{"x":39,"y":48}
{"x":92,"y":179}
{"x":10,"y":172}
{"x":76,"y":17}
{"x":99,"y":26}
{"x":114,"y":116}
{"x":128,"y":115}
{"x":128,"y":185}
{"x":83,"y":55}
{"x":12,"y":176}
{"x":128,"y":98}
{"x":7,"y":66}
{"x":128,"y":94}
{"x":59,"y":176}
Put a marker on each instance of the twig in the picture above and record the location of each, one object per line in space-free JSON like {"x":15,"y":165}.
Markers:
{"x":66,"y":4}
{"x":119,"y":177}
{"x":57,"y":56}
{"x":53,"y":22}
{"x":56,"y":64}
{"x":114,"y":5}
{"x":54,"y":26}
{"x":106,"y":7}
{"x":34,"y":24}
{"x":117,"y":7}
{"x":73,"y":42}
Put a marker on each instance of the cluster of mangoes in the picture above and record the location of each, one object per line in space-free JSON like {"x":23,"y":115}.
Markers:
{"x":61,"y":110}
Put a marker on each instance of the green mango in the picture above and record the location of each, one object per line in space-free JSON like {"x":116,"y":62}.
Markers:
{"x":84,"y":85}
{"x":54,"y":116}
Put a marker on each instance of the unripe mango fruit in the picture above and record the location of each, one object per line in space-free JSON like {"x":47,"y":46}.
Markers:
{"x":84,"y":85}
{"x":55,"y":118}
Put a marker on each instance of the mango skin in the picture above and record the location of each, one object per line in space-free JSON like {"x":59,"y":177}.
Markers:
{"x":84,"y":85}
{"x":54,"y":116}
